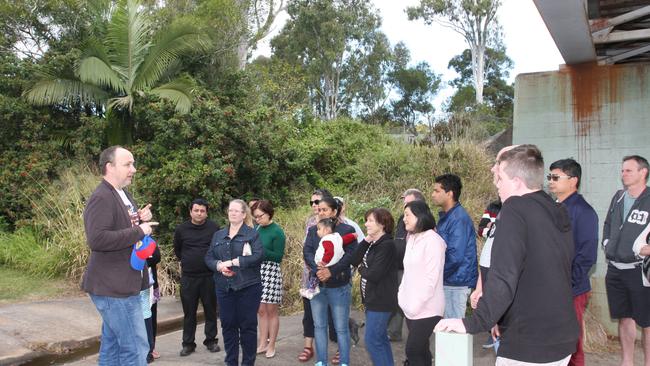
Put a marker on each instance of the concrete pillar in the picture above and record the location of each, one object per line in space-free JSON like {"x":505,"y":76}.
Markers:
{"x":454,"y":349}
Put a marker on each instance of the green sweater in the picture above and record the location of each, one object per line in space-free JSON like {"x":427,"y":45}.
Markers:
{"x":273,"y":239}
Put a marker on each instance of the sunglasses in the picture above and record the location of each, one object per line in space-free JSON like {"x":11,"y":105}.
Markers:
{"x":555,"y":177}
{"x":314,"y":202}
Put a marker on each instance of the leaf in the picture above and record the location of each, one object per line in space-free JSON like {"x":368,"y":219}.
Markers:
{"x":178,"y":92}
{"x":53,"y":90}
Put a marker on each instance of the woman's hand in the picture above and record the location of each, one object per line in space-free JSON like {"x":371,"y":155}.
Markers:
{"x":224,"y":268}
{"x":323,"y":274}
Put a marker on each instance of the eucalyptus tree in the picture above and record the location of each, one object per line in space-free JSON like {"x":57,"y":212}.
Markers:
{"x":338,"y":45}
{"x":126,"y":62}
{"x":498,"y":93}
{"x":416,"y":86}
{"x":474,"y":20}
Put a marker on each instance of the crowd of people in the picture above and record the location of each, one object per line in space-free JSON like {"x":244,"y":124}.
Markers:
{"x":529,"y":288}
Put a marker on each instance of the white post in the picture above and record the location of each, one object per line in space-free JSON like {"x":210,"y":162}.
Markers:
{"x":454,"y":349}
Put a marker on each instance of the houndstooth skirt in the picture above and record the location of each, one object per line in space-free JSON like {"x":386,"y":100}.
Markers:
{"x":271,"y":282}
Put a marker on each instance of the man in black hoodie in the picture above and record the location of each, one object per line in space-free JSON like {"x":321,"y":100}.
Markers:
{"x":528,"y":293}
{"x":627,"y":217}
{"x":191,"y":242}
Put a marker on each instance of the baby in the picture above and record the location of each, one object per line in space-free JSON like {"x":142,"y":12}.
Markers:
{"x":329,"y":252}
{"x":330,"y":247}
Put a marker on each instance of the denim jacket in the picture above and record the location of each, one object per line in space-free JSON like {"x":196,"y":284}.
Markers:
{"x":224,"y":248}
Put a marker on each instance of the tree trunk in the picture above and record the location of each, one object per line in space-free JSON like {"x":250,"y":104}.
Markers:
{"x":478,"y":70}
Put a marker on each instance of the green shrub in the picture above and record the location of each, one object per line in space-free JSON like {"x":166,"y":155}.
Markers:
{"x":25,"y":251}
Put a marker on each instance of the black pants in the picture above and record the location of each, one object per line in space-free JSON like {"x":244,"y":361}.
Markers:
{"x":308,"y":321}
{"x":238,"y":314}
{"x":417,"y":343}
{"x":154,"y":322}
{"x":194,"y":289}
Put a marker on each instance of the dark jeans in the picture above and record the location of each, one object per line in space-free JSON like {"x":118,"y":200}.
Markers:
{"x":417,"y":343}
{"x":238,"y":314}
{"x":194,"y":289}
{"x":308,"y":321}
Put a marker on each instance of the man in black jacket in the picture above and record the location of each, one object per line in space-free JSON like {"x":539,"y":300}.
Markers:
{"x":528,"y":292}
{"x":191,"y":242}
{"x":627,"y":217}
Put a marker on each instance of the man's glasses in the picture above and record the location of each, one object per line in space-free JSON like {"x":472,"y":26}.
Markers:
{"x":314,"y":202}
{"x":555,"y":177}
{"x":257,"y":217}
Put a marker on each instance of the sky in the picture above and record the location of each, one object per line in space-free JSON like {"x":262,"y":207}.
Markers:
{"x":527,"y":40}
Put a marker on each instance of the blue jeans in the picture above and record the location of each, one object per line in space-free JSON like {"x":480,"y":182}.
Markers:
{"x":124,"y":337}
{"x":238,"y":315}
{"x":376,"y":338}
{"x":338,"y":299}
{"x":456,"y":301}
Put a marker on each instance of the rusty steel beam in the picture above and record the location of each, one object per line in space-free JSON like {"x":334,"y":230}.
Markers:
{"x":622,"y":36}
{"x":624,"y":55}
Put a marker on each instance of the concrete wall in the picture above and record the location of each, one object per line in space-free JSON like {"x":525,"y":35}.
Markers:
{"x":595,"y":115}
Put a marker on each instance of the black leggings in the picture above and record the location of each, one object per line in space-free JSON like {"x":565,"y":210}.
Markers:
{"x":417,"y":343}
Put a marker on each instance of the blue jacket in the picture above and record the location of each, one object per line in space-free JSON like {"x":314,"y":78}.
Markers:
{"x":224,"y":248}
{"x":461,"y":264}
{"x":584,"y":223}
{"x":340,"y":271}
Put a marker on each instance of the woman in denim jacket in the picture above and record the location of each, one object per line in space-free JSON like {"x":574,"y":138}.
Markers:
{"x":235,"y":256}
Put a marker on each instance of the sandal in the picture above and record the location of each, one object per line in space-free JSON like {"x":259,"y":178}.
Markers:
{"x":336,"y":359}
{"x":306,"y":354}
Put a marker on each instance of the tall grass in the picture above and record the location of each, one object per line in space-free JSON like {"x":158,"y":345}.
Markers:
{"x":385,"y":176}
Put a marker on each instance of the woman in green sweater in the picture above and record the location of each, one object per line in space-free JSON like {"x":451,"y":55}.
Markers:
{"x":273,"y":240}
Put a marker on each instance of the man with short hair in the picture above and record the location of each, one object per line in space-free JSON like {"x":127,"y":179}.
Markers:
{"x":564,"y":181}
{"x":113,"y":225}
{"x":396,"y":321}
{"x":191,"y":241}
{"x":457,"y":229}
{"x":528,"y":292}
{"x":627,"y":217}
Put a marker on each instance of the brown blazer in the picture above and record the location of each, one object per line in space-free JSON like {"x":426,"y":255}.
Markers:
{"x":111,"y":237}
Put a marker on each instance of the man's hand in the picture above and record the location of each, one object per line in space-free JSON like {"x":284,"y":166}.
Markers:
{"x":451,"y":325}
{"x":474,"y":297}
{"x":147,"y":227}
{"x":495,"y":332}
{"x":323,"y":274}
{"x":145,"y":213}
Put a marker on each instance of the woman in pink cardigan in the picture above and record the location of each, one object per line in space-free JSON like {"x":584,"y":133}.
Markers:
{"x":420,"y":294}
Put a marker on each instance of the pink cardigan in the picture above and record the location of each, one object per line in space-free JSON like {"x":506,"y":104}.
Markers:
{"x":420,"y":293}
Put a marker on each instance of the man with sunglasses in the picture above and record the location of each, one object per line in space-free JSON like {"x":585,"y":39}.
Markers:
{"x":627,"y":217}
{"x":564,"y":182}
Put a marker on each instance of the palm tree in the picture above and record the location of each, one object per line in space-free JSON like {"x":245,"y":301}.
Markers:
{"x":130,"y":61}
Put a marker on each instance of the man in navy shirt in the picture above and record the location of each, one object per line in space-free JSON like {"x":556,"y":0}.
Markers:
{"x":564,"y":182}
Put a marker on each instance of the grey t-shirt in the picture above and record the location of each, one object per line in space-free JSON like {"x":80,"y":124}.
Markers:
{"x":628,"y":201}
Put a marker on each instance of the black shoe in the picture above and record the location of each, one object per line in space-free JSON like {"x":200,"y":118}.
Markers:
{"x":213,"y":347}
{"x":187,"y":350}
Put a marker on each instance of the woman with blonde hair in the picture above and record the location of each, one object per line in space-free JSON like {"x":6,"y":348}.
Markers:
{"x":235,"y":256}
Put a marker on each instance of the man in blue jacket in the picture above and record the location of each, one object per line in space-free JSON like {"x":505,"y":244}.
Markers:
{"x":457,"y":229}
{"x":564,"y":182}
